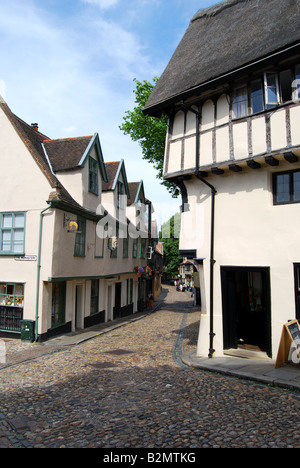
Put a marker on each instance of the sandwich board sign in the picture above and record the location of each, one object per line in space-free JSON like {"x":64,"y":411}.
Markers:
{"x":290,"y":336}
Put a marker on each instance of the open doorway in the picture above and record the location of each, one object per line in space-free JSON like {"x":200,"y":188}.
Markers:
{"x":246,"y":308}
{"x":79,"y":306}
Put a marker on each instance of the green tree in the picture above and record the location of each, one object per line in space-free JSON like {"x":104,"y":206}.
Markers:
{"x":150,"y":132}
{"x":169,"y":235}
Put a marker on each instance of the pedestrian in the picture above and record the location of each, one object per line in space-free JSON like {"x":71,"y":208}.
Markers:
{"x":150,"y":301}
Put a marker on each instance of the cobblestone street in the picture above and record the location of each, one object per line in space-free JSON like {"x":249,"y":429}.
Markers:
{"x":129,"y":389}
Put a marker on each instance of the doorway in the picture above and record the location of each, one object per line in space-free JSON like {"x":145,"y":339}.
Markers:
{"x":246,"y":308}
{"x":118,"y":294}
{"x":79,"y":306}
{"x":297,"y":289}
{"x":109,"y":303}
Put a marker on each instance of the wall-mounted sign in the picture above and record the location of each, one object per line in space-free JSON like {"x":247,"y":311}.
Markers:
{"x":26,"y":258}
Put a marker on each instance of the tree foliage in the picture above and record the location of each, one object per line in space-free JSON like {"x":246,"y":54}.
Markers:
{"x":169,"y":235}
{"x":149,"y":131}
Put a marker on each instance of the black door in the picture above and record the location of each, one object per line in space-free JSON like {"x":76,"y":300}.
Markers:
{"x":246,"y":308}
{"x":297,"y":289}
{"x":117,"y":308}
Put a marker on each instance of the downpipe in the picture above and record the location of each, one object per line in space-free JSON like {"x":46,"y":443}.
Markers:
{"x":212,"y":230}
{"x":38,"y":271}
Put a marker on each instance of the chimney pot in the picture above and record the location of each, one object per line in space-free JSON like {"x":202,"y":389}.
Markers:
{"x":35,"y":126}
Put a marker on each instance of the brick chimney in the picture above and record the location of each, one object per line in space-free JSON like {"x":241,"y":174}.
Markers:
{"x":35,"y":126}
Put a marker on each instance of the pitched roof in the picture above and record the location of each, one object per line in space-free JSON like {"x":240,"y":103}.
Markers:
{"x":224,"y":38}
{"x":33,"y":141}
{"x":134,"y":189}
{"x":111,"y":171}
{"x":66,"y":153}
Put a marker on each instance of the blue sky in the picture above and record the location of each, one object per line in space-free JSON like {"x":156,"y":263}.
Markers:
{"x":69,"y":65}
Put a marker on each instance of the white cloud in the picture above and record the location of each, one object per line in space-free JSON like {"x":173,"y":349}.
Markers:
{"x":104,"y":4}
{"x":75,"y":77}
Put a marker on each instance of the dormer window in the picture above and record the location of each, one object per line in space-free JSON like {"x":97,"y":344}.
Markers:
{"x":93,"y":176}
{"x":120,"y":193}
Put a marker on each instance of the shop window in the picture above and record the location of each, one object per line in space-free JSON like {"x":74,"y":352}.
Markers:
{"x":11,"y":306}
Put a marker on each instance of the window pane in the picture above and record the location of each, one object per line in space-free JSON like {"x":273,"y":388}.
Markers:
{"x":6,"y":241}
{"x":7,"y":221}
{"x":93,"y":175}
{"x":283,"y":188}
{"x":296,"y":181}
{"x":257,"y":100}
{"x":240,"y":102}
{"x":80,"y":238}
{"x":271,"y":89}
{"x":286,"y":85}
{"x":18,"y":240}
{"x":296,"y":83}
{"x":19,"y":221}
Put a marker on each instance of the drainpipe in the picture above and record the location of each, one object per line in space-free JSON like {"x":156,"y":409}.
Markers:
{"x":38,"y":271}
{"x":212,"y":231}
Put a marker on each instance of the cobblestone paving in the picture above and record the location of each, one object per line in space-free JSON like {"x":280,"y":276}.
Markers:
{"x":128,"y":389}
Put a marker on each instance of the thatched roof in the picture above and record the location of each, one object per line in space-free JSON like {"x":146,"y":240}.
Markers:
{"x":224,"y":38}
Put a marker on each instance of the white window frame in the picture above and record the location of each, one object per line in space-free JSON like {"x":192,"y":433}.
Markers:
{"x":268,"y":103}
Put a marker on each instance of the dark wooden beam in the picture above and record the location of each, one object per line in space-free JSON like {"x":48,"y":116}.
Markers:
{"x":291,"y":157}
{"x":203,"y":173}
{"x":253,"y":164}
{"x":217,"y":171}
{"x":235,"y":168}
{"x":271,"y":161}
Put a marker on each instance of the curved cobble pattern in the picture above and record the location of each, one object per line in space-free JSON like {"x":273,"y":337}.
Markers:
{"x":124,"y":389}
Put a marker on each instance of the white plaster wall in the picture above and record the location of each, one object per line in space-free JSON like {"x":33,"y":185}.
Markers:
{"x":240,"y":140}
{"x":259,"y":131}
{"x":278,"y":130}
{"x":178,"y":125}
{"x":295,"y":127}
{"x":249,"y":231}
{"x":24,"y":188}
{"x":175,"y":157}
{"x":222,"y":144}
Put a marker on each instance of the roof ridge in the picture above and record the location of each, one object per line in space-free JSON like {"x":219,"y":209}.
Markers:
{"x":216,"y":9}
{"x":70,"y":138}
